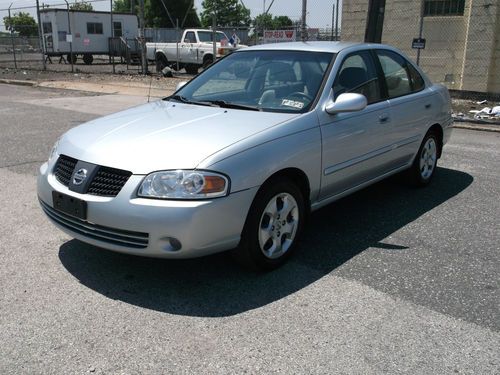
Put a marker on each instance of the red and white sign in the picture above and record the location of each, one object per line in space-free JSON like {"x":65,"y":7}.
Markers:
{"x":278,"y":36}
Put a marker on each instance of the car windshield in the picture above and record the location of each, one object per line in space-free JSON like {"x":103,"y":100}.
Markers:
{"x":207,"y":36}
{"x":274,"y":80}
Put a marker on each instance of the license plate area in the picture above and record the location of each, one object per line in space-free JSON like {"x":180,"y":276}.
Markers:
{"x":69,"y":205}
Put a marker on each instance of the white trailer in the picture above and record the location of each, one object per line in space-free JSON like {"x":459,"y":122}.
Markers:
{"x":90,"y":32}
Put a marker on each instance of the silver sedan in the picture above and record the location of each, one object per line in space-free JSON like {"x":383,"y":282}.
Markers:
{"x":240,"y":155}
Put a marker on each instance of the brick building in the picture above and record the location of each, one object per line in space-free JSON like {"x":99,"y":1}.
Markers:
{"x":462,"y":36}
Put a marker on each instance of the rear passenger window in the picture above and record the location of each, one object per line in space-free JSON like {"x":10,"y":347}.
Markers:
{"x":358,"y":74}
{"x":400,"y":76}
{"x":396,"y":76}
{"x":417,"y":82}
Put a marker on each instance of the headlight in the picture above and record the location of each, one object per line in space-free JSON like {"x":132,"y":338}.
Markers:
{"x":53,"y":152}
{"x":184,"y":184}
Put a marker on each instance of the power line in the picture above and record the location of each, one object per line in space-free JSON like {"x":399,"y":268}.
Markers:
{"x":51,"y":5}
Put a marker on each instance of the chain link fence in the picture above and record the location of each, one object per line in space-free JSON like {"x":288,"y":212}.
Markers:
{"x":462,"y":38}
{"x":455,"y":42}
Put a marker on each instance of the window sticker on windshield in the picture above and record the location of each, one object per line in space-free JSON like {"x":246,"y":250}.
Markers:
{"x":292,"y":103}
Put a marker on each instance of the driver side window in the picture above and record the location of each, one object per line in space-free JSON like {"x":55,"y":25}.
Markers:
{"x":358,"y":75}
{"x":190,"y":37}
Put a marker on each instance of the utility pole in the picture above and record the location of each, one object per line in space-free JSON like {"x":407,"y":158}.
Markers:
{"x":112,"y":35}
{"x":40,"y":35}
{"x":214,"y":31}
{"x":337,"y":21}
{"x":333,"y":16}
{"x":143,"y":40}
{"x":304,"y":15}
{"x":421,"y":30}
{"x":12,"y":39}
{"x":70,"y":37}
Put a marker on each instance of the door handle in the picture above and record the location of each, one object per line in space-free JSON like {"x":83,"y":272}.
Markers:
{"x":427,"y":106}
{"x":383,"y":118}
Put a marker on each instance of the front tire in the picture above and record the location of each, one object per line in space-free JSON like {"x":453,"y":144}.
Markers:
{"x":424,"y":165}
{"x":273,"y":226}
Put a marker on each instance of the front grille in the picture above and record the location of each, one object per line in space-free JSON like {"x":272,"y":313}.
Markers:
{"x":121,"y":237}
{"x":108,"y":181}
{"x":64,"y":169}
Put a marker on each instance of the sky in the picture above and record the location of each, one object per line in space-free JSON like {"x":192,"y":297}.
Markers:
{"x":319,"y":12}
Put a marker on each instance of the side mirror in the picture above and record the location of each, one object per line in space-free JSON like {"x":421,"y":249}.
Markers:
{"x":187,"y":40}
{"x":179,"y":85}
{"x":348,"y":102}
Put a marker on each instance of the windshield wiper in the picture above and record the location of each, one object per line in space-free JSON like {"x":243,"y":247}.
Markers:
{"x":224,"y":104}
{"x":185,"y":100}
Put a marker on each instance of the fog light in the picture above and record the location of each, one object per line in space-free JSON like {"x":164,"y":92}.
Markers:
{"x":171,"y":244}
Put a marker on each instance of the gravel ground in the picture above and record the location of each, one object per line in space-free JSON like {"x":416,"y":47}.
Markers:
{"x":96,"y":75}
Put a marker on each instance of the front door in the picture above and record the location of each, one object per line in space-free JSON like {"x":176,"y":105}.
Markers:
{"x":355,"y":144}
{"x":117,"y":29}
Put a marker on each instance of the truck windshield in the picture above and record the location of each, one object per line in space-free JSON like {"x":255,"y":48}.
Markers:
{"x":208,"y":36}
{"x":269,"y":80}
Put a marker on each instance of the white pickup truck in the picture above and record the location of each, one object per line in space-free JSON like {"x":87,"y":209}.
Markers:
{"x":193,"y":52}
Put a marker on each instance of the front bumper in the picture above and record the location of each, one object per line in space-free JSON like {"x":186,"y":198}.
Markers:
{"x":201,"y":227}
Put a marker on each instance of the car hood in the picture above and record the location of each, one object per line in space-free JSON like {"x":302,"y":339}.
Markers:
{"x":163,"y":135}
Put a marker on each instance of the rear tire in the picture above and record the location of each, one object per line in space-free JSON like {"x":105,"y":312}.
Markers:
{"x":161,"y":62}
{"x":425,"y":163}
{"x":273,"y":226}
{"x":88,"y":58}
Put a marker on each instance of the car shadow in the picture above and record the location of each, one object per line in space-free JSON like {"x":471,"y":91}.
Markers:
{"x":214,"y":286}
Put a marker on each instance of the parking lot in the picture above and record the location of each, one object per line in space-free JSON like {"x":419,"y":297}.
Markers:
{"x":390,"y":280}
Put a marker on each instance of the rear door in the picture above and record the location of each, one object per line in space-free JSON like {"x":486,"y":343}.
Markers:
{"x":411,"y":104}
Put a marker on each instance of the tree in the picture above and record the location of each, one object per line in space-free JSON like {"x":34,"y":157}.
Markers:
{"x":155,"y":14}
{"x":21,"y":23}
{"x":267,"y":21}
{"x":123,"y":6}
{"x":181,"y":11}
{"x":81,"y":5}
{"x":264,"y":20}
{"x":282,"y":22}
{"x":227,"y":13}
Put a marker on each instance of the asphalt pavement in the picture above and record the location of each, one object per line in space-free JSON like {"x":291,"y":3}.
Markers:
{"x":390,"y":280}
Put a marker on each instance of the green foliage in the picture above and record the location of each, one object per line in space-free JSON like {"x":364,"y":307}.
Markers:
{"x":123,"y":6}
{"x":267,"y":21}
{"x":282,"y":22}
{"x":81,"y":5}
{"x":21,"y":23}
{"x":227,"y":13}
{"x":155,"y":14}
{"x":264,"y":20}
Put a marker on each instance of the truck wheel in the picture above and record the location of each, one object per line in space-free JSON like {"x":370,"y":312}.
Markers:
{"x":207,"y":61}
{"x":161,"y":62}
{"x":191,"y":69}
{"x":71,"y":58}
{"x":88,"y":58}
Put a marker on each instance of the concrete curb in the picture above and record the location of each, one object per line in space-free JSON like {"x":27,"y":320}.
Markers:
{"x":18,"y":82}
{"x":485,"y":128}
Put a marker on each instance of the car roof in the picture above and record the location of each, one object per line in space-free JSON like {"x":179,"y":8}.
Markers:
{"x":334,"y":47}
{"x":305,"y":46}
